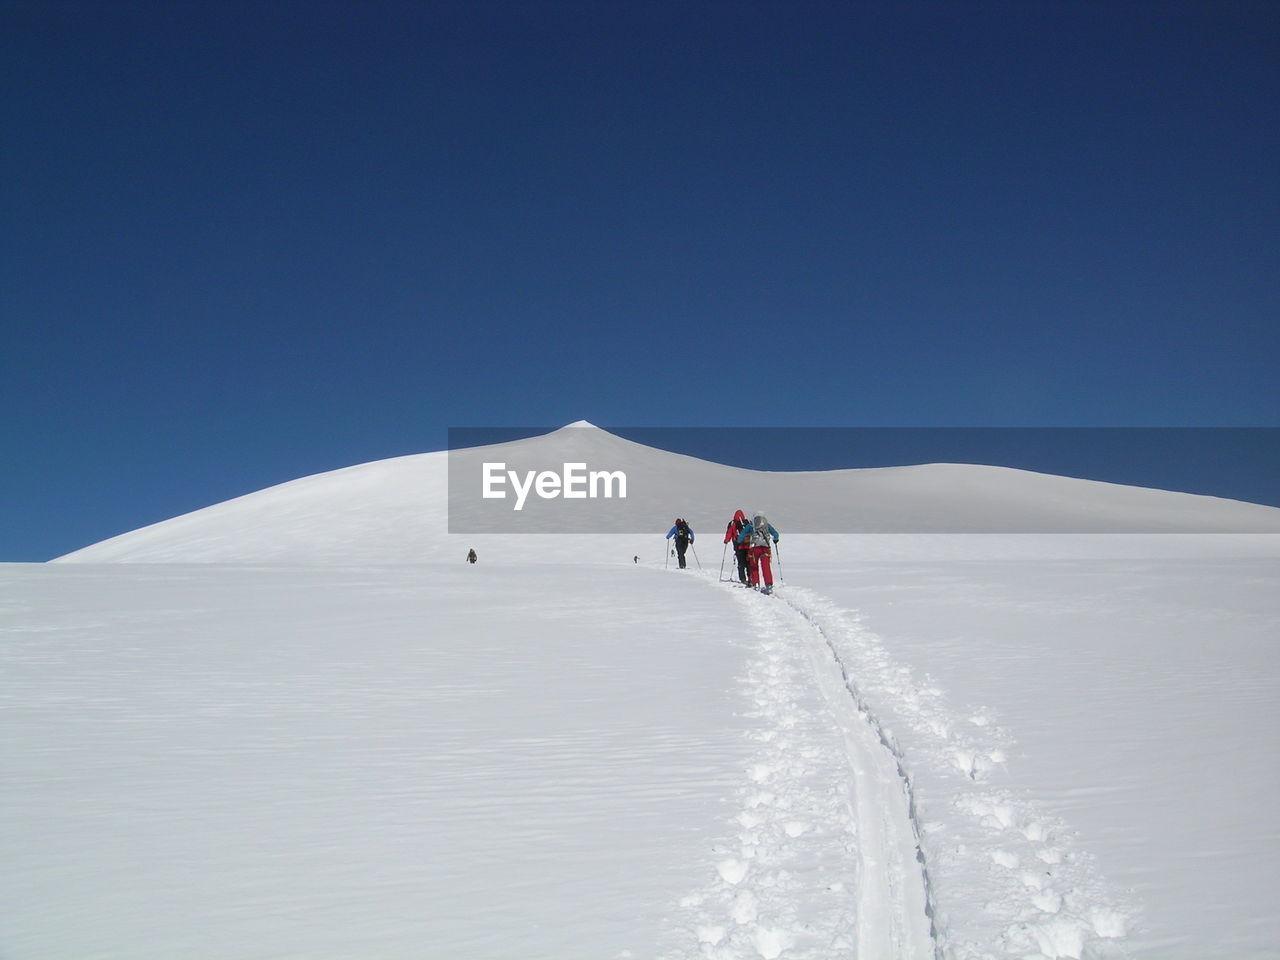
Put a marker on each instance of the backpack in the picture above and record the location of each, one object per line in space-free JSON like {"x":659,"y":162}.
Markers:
{"x":682,"y":530}
{"x":759,"y":531}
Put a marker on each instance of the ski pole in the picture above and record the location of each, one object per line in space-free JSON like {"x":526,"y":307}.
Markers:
{"x":695,"y":555}
{"x":777,"y":549}
{"x":722,"y":555}
{"x":666,"y":553}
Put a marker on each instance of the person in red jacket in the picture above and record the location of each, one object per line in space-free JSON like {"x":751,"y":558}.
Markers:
{"x":739,"y":550}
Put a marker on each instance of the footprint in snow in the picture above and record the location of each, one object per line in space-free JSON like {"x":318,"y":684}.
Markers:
{"x":1036,"y":832}
{"x":964,"y":761}
{"x":732,"y":871}
{"x":1006,"y":859}
{"x":1108,"y":923}
{"x":710,"y":935}
{"x":1003,"y":815}
{"x":1034,"y":881}
{"x":744,"y":908}
{"x":1060,"y":937}
{"x":1050,"y":901}
{"x":770,"y":943}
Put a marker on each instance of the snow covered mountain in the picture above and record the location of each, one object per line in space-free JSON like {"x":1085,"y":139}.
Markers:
{"x":298,"y":725}
{"x":397,"y":511}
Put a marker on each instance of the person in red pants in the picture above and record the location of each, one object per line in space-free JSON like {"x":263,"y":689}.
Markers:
{"x":756,"y":536}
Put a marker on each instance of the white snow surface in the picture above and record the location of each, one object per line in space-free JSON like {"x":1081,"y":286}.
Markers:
{"x":298,"y":725}
{"x":396,"y":511}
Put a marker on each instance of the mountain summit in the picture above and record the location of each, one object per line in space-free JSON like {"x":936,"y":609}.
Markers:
{"x":401,"y":510}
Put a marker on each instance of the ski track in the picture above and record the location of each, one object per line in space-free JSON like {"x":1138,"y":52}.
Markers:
{"x":823,"y":861}
{"x":901,"y":891}
{"x":778,"y":890}
{"x":1044,"y":897}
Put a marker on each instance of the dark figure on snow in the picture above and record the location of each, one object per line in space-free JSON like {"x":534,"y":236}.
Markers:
{"x":756,"y":536}
{"x":683,"y":534}
{"x":471,"y":556}
{"x":739,"y":552}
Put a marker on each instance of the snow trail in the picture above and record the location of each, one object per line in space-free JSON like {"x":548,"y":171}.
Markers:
{"x":822,"y":769}
{"x":1044,"y":898}
{"x":895,"y":908}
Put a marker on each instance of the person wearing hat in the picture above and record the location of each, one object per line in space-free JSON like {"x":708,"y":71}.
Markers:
{"x":739,"y":550}
{"x":683,"y":534}
{"x":755,"y":536}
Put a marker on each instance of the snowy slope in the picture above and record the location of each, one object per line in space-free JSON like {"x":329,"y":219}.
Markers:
{"x":1084,"y":724}
{"x":396,"y":511}
{"x":231,"y":763}
{"x":340,"y":740}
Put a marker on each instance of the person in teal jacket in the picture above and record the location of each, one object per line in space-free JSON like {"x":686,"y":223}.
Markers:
{"x":756,"y":536}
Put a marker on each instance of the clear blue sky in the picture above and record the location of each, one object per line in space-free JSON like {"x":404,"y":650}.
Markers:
{"x":245,"y":242}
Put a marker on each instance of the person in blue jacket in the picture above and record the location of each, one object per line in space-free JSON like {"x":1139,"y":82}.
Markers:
{"x":683,"y":534}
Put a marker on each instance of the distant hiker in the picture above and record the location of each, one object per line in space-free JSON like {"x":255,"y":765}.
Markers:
{"x":739,"y":551}
{"x":683,"y":534}
{"x":635,"y":559}
{"x":756,"y":536}
{"x":471,"y":556}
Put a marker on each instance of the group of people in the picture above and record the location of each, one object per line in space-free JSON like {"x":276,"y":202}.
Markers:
{"x":753,"y":541}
